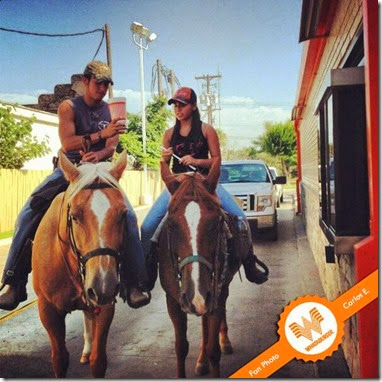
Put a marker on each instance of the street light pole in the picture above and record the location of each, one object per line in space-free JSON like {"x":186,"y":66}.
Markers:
{"x":144,"y":34}
{"x":145,"y":196}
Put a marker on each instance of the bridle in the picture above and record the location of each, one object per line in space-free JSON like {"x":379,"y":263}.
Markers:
{"x":217,"y":271}
{"x":82,"y":259}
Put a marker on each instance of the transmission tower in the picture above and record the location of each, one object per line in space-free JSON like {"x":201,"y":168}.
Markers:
{"x":210,"y":97}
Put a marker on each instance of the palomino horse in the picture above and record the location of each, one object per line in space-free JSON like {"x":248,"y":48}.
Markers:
{"x":76,"y":258}
{"x":195,"y":267}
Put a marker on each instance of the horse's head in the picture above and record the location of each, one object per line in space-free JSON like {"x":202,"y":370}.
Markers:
{"x":194,"y":222}
{"x":95,"y":213}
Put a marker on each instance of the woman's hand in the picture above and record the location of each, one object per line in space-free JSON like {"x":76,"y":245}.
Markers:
{"x":114,"y":128}
{"x":167,"y":153}
{"x":188,"y":160}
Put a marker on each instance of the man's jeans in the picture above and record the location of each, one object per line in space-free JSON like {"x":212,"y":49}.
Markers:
{"x":18,"y":262}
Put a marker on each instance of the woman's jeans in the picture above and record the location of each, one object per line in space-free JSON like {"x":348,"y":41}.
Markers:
{"x":159,"y":210}
{"x":18,"y":266}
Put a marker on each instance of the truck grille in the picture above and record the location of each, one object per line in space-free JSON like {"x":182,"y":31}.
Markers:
{"x":247,"y":202}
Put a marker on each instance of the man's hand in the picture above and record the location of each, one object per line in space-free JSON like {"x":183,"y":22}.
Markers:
{"x":114,"y":128}
{"x":188,"y":160}
{"x":91,"y":156}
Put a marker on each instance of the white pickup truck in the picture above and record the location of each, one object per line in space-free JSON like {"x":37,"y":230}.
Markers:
{"x":251,"y":182}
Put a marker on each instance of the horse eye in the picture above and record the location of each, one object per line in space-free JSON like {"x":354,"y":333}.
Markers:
{"x":74,"y":218}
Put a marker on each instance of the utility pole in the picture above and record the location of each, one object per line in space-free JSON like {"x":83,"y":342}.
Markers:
{"x":159,"y":76}
{"x":209,"y":97}
{"x":172,"y":82}
{"x":108,"y":55}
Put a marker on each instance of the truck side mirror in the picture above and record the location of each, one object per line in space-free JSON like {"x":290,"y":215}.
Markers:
{"x":280,"y":180}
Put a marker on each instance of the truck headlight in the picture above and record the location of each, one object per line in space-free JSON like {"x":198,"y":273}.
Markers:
{"x":263,"y":201}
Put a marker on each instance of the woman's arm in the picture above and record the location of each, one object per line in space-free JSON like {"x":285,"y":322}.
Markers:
{"x":213,"y":146}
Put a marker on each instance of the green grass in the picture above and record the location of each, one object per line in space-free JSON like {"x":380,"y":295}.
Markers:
{"x":5,"y":235}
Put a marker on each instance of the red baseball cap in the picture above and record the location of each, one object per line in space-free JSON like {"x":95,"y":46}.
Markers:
{"x":183,"y":95}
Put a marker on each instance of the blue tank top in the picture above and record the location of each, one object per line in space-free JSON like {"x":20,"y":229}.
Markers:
{"x":88,"y":120}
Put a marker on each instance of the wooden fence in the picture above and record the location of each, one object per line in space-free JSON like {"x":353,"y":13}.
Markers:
{"x":17,"y":185}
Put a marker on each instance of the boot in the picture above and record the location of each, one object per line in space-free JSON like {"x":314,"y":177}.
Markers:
{"x":13,"y":295}
{"x":152,"y":266}
{"x":138,"y":296}
{"x":252,"y":272}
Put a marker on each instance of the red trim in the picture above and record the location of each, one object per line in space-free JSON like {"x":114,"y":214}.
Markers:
{"x":366,"y":252}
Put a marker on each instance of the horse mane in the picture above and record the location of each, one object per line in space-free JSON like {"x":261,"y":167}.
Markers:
{"x":90,"y":172}
{"x":192,"y":188}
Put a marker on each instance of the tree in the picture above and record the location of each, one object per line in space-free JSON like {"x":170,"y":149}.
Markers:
{"x":279,"y":140}
{"x":17,"y":144}
{"x":157,"y":117}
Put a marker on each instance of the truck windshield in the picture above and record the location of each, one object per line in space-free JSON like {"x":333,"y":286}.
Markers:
{"x":243,"y":173}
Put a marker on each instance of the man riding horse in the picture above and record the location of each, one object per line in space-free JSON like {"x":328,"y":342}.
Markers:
{"x":87,"y":134}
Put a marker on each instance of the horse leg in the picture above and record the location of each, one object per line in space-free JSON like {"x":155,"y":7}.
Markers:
{"x":87,"y":338}
{"x":54,"y":323}
{"x":213,"y":347}
{"x":179,"y":320}
{"x":202,"y":365}
{"x":101,"y":326}
{"x":224,"y":341}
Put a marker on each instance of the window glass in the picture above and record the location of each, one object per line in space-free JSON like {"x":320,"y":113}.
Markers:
{"x":244,"y":173}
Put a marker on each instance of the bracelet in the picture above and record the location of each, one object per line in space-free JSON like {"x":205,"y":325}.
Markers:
{"x":86,"y":142}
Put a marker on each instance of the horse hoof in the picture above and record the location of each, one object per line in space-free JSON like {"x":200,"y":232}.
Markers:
{"x":226,"y":348}
{"x":202,"y":368}
{"x":84,"y":358}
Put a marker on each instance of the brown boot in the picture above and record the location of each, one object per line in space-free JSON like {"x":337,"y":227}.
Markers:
{"x":138,"y":297}
{"x":13,"y":295}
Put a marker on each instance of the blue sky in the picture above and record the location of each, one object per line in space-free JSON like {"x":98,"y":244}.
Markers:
{"x":252,"y":43}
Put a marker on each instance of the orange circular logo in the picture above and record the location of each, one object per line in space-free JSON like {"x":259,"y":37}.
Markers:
{"x":311,"y":327}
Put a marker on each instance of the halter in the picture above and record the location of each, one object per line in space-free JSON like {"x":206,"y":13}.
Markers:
{"x":101,"y":251}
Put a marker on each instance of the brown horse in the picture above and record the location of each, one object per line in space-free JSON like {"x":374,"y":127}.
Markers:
{"x":75,"y":258}
{"x":195,"y":267}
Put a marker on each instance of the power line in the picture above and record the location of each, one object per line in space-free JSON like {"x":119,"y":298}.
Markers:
{"x":51,"y":34}
{"x":60,"y":35}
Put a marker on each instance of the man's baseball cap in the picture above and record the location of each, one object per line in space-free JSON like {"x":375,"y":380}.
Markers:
{"x":99,"y":70}
{"x":183,"y":95}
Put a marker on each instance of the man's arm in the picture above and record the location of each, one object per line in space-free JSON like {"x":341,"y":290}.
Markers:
{"x":70,"y":141}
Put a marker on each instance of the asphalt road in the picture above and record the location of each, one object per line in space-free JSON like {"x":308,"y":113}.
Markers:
{"x":141,"y":342}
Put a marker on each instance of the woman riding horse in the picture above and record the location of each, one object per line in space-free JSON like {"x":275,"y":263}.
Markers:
{"x":197,"y":145}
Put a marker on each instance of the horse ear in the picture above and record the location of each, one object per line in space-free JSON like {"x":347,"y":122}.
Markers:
{"x":119,"y":166}
{"x":70,"y":170}
{"x":168,"y":177}
{"x":212,"y":179}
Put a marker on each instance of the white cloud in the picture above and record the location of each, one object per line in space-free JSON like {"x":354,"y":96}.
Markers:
{"x":243,"y":120}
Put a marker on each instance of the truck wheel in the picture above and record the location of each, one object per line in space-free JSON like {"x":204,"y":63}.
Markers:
{"x":273,"y":234}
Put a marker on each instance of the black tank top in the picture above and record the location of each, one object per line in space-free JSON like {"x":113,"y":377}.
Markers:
{"x":194,"y":144}
{"x":88,"y":120}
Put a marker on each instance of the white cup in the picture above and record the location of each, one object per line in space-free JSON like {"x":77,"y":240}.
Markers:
{"x":117,"y":107}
